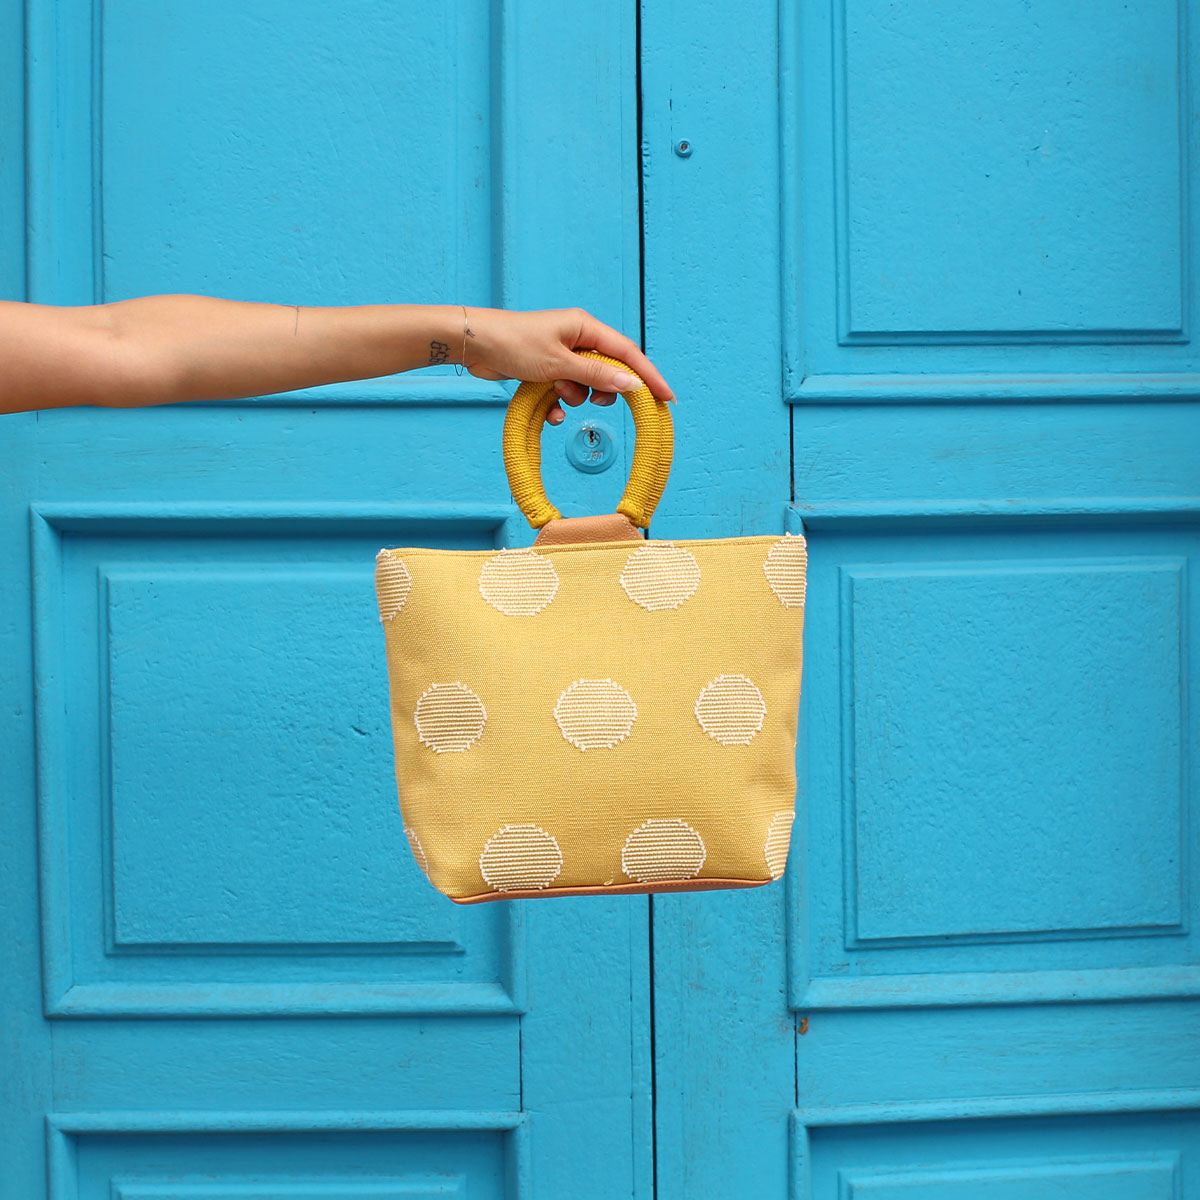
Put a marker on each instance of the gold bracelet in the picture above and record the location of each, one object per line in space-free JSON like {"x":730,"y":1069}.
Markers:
{"x":459,"y":368}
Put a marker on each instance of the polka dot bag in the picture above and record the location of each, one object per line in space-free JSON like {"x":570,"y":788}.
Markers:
{"x":597,"y":713}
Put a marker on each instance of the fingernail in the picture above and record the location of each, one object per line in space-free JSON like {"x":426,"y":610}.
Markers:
{"x":622,"y":382}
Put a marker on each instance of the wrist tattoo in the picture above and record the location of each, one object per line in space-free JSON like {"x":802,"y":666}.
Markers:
{"x":439,"y":352}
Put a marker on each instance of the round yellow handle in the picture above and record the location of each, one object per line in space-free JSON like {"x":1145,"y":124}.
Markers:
{"x":654,"y":441}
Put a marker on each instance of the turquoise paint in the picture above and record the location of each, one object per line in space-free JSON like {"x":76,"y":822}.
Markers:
{"x":954,"y":244}
{"x":924,"y":283}
{"x":224,"y":975}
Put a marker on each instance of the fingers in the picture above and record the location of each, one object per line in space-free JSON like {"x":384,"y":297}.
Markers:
{"x":575,"y":394}
{"x":484,"y":373}
{"x":570,"y":392}
{"x":555,"y":416}
{"x":598,"y":336}
{"x":591,"y":373}
{"x":537,"y":346}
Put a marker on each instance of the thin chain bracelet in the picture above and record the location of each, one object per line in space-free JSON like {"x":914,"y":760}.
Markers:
{"x":460,"y":367}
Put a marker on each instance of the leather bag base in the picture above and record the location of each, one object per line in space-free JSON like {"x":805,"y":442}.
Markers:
{"x":625,"y":889}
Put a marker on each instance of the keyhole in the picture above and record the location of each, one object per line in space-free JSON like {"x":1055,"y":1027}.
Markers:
{"x":590,"y":448}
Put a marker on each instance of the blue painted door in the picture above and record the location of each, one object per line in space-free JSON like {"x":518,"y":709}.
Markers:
{"x":923,"y":279}
{"x":224,"y":976}
{"x":925,"y":276}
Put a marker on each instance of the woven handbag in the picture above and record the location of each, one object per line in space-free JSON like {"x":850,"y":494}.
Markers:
{"x":597,"y":713}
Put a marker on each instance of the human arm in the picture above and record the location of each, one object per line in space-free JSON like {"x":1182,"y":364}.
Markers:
{"x":173,"y":349}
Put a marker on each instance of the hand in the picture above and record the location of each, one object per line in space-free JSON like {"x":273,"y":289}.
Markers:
{"x":540,"y":347}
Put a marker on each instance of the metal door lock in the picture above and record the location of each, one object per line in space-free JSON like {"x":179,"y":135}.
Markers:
{"x":591,"y":447}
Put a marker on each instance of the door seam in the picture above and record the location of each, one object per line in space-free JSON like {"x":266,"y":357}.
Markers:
{"x":641,"y":210}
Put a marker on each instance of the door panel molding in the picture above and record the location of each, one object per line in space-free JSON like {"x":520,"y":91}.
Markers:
{"x":954,"y":202}
{"x":69,"y":1132}
{"x":1158,"y":1171}
{"x":995,"y":387}
{"x":90,"y":969}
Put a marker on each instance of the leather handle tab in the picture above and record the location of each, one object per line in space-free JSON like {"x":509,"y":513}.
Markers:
{"x":654,"y":441}
{"x":607,"y":527}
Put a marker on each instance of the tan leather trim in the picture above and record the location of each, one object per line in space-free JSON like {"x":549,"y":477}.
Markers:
{"x":605,"y":527}
{"x":621,"y":889}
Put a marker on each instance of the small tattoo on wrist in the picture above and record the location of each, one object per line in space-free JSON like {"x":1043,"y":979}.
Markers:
{"x":439,"y":352}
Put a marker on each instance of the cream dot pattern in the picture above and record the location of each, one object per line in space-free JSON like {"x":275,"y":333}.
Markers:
{"x":731,"y":710}
{"x":660,"y":575}
{"x":493,"y":804}
{"x":779,"y":837}
{"x":392,"y":584}
{"x":786,"y":569}
{"x":659,"y":850}
{"x":520,"y":857}
{"x":418,"y":850}
{"x":449,"y":717}
{"x":520,"y":582}
{"x":595,"y":713}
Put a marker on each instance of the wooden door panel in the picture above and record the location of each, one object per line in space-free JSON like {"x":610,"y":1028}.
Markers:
{"x":1005,"y":815}
{"x":1132,"y":1157}
{"x":218,"y":837}
{"x":979,"y":976}
{"x":243,"y":987}
{"x":994,"y":198}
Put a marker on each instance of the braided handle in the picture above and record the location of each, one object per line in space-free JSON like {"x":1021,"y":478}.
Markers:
{"x":654,"y":441}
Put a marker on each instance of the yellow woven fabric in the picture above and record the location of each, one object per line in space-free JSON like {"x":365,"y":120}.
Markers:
{"x":522,"y":444}
{"x":617,"y":716}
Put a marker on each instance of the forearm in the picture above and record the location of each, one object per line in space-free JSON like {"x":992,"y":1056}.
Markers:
{"x":170,"y":349}
{"x":180,"y":348}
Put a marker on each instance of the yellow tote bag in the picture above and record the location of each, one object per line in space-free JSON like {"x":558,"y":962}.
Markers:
{"x":597,"y":713}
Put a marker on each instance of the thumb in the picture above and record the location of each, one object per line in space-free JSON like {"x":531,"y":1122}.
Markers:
{"x":602,"y":376}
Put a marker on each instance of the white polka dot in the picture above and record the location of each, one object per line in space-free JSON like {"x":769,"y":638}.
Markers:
{"x":519,"y":857}
{"x":417,"y":849}
{"x":392,"y":583}
{"x":660,"y":575}
{"x":658,"y":850}
{"x":785,"y":568}
{"x":594,"y":713}
{"x":518,"y":582}
{"x":731,"y":709}
{"x":779,"y":837}
{"x":449,"y":716}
